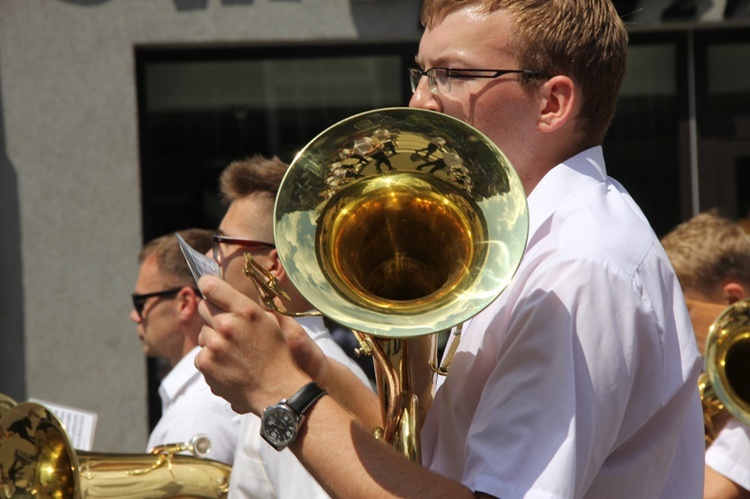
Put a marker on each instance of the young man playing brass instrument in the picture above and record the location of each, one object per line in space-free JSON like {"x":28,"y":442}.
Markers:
{"x":711,"y":256}
{"x":579,"y":381}
{"x":250,"y":186}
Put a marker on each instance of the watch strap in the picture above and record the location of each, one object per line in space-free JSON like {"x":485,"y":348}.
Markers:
{"x":305,"y":397}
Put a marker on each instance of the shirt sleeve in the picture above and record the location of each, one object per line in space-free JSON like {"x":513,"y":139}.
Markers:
{"x":729,"y":454}
{"x":557,"y":403}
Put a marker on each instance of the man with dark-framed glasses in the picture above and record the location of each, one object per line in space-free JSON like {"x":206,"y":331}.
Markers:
{"x":165,"y":311}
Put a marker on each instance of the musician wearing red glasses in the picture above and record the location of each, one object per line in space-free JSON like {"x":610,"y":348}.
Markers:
{"x":250,"y":187}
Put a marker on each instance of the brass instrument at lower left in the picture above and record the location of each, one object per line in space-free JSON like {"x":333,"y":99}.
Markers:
{"x":37,"y":460}
{"x":6,"y":403}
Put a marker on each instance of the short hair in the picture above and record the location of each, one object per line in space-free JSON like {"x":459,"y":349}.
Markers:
{"x":708,"y":249}
{"x":169,"y":256}
{"x":583,"y":39}
{"x":252,"y":175}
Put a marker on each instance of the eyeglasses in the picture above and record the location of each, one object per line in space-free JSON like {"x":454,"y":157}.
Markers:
{"x":440,"y":78}
{"x":139,"y":300}
{"x":239,"y":241}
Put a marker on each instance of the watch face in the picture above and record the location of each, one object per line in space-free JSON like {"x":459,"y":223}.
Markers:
{"x":279,"y":425}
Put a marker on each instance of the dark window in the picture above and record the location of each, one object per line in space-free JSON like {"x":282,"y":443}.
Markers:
{"x":723,"y":115}
{"x":200,"y":109}
{"x":646,"y":146}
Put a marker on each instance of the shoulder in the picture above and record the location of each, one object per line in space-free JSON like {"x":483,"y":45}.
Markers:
{"x":599,"y":226}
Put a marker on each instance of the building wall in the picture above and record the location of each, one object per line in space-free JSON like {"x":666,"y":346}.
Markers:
{"x":69,"y":179}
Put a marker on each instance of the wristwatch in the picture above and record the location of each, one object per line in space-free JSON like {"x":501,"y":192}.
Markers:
{"x":280,"y":423}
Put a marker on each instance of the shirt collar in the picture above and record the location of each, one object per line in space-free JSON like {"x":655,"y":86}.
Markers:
{"x":180,"y":376}
{"x":564,"y":181}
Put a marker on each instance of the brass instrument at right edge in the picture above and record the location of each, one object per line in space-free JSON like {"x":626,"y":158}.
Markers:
{"x":725,"y":384}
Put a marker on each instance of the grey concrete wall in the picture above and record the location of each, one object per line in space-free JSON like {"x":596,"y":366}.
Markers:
{"x":69,"y":185}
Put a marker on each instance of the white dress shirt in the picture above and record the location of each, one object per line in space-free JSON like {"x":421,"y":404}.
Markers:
{"x":579,"y":381}
{"x":729,"y":454}
{"x":260,"y":471}
{"x":190,"y":408}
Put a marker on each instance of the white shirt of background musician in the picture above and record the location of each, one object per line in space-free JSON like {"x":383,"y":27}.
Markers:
{"x":190,"y":408}
{"x":729,"y":454}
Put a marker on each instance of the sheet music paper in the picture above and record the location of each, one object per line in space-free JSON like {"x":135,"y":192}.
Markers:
{"x":199,"y":263}
{"x":80,"y":425}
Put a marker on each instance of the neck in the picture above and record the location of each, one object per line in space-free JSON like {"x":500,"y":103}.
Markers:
{"x":297,"y":303}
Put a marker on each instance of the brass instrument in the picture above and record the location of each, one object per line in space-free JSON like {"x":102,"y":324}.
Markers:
{"x":725,"y":384}
{"x":399,"y":223}
{"x":37,"y":460}
{"x":6,"y":403}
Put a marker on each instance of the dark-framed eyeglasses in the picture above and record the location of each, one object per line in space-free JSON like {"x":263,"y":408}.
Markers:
{"x":238,"y":241}
{"x":440,"y":78}
{"x":139,"y":300}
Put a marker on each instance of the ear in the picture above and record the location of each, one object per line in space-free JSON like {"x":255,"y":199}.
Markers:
{"x":275,"y":266}
{"x":559,"y":102}
{"x":187,"y":301}
{"x":733,"y":291}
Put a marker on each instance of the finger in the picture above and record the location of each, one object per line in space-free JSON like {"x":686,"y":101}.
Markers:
{"x":201,"y":339}
{"x":288,"y":324}
{"x":202,"y":361}
{"x":207,"y":310}
{"x":206,"y":364}
{"x":232,"y":317}
{"x":210,"y":340}
{"x":220,"y":297}
{"x":223,"y":296}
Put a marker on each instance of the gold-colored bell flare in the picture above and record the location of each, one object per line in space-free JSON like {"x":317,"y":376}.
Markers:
{"x":725,"y":385}
{"x":37,"y":460}
{"x":6,"y":403}
{"x":399,"y":223}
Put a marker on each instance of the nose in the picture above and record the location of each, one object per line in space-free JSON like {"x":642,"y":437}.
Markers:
{"x":134,"y":316}
{"x":423,"y":98}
